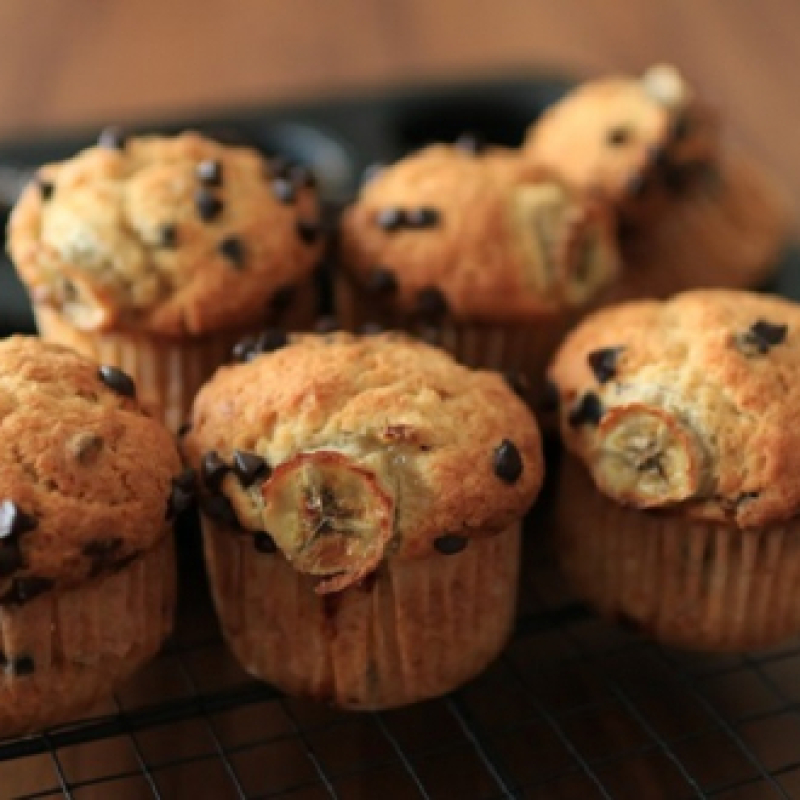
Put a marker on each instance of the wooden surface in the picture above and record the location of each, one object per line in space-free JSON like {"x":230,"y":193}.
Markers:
{"x":68,"y":62}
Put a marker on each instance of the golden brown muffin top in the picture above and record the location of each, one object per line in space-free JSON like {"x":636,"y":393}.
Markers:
{"x":481,"y":236}
{"x":628,"y":140}
{"x":345,"y":450}
{"x":169,"y":235}
{"x":690,"y":405}
{"x":86,"y":479}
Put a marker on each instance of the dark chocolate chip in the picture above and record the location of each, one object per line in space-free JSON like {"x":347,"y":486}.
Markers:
{"x":618,"y":136}
{"x":24,"y":589}
{"x":472,"y":143}
{"x":209,"y":207}
{"x":283,"y":189}
{"x":187,"y":479}
{"x":264,"y":543}
{"x":372,"y":172}
{"x":249,"y":467}
{"x":46,"y":188}
{"x":604,"y":363}
{"x":168,"y":234}
{"x":326,"y":325}
{"x":768,"y":333}
{"x":20,"y":667}
{"x":507,"y":462}
{"x":370,"y":329}
{"x":232,"y":248}
{"x":391,"y":219}
{"x":219,"y":508}
{"x":308,"y":231}
{"x":210,"y":173}
{"x":431,"y":303}
{"x":113,"y":138}
{"x":270,"y":340}
{"x":381,"y":281}
{"x":282,"y":299}
{"x":10,"y":559}
{"x":212,"y":470}
{"x":184,"y":489}
{"x":589,"y":411}
{"x":423,"y":217}
{"x":450,"y":545}
{"x":14,"y":521}
{"x":517,"y":382}
{"x":117,"y":380}
{"x":550,"y":399}
{"x":243,"y":351}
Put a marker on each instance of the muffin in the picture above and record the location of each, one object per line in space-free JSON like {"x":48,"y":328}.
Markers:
{"x":361,"y":514}
{"x":694,"y":211}
{"x":678,"y":505}
{"x":478,"y":253}
{"x":88,"y":487}
{"x":156,"y":254}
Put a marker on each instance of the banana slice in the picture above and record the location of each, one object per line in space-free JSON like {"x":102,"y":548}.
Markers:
{"x":330,"y":516}
{"x":648,"y":457}
{"x":664,"y":85}
{"x":567,"y":253}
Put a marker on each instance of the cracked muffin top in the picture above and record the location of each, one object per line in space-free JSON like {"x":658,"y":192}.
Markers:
{"x":628,"y":140}
{"x":476,"y":234}
{"x":341,"y":450}
{"x":169,"y":235}
{"x":87,"y":481}
{"x":690,"y":405}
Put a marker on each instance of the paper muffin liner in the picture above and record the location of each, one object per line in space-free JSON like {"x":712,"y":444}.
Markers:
{"x":687,"y":583}
{"x":65,"y":651}
{"x":414,"y":630}
{"x":523,"y":348}
{"x":168,"y":371}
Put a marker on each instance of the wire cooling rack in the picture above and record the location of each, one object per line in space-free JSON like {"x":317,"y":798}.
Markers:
{"x":575,"y":709}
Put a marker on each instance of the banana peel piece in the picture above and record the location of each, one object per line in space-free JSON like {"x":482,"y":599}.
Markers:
{"x":331,"y":517}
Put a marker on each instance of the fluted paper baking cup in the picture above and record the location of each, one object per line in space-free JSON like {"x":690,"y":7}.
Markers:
{"x":687,"y":583}
{"x":65,"y":651}
{"x":414,"y":630}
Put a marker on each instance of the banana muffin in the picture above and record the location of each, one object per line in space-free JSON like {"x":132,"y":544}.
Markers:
{"x":694,"y":210}
{"x":88,"y":487}
{"x":678,"y":507}
{"x":477,"y":252}
{"x":156,"y":254}
{"x":361,"y":512}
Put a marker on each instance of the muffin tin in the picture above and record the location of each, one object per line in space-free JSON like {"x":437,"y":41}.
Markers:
{"x":574,"y":709}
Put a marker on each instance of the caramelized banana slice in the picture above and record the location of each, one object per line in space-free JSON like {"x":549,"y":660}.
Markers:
{"x":648,"y":457}
{"x":569,"y":254}
{"x":330,"y":516}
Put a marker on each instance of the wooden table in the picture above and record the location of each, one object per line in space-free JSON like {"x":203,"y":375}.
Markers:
{"x":69,"y":62}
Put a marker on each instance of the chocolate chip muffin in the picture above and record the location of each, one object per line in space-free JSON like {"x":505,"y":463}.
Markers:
{"x":88,"y":487}
{"x":361,"y":512}
{"x":678,"y":508}
{"x":694,"y":211}
{"x":478,"y":253}
{"x":157,"y":254}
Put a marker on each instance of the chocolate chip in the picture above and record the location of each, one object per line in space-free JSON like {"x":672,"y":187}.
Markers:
{"x":270,"y":340}
{"x":112,"y":138}
{"x":589,"y":411}
{"x":431,"y":303}
{"x":507,"y":462}
{"x":326,"y":325}
{"x":14,"y":521}
{"x":282,"y":299}
{"x":118,"y":381}
{"x":24,"y":589}
{"x":518,"y":383}
{"x":219,"y":508}
{"x":249,"y":467}
{"x":182,"y":494}
{"x":391,"y":219}
{"x":550,"y":399}
{"x":264,"y":543}
{"x":20,"y":667}
{"x":244,"y":350}
{"x":370,"y":329}
{"x":618,"y":136}
{"x":283,"y":190}
{"x":761,"y":337}
{"x":184,"y":429}
{"x":209,"y":207}
{"x":210,"y":173}
{"x":423,"y":217}
{"x":46,"y":188}
{"x":308,"y":231}
{"x":472,"y":143}
{"x":604,"y":363}
{"x":232,"y":248}
{"x":168,"y":234}
{"x":450,"y":545}
{"x":372,"y":172}
{"x":212,"y":470}
{"x":381,"y":281}
{"x":10,"y":560}
{"x":103,"y":555}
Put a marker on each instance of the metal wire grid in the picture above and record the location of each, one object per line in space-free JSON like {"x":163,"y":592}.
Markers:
{"x":574,"y":709}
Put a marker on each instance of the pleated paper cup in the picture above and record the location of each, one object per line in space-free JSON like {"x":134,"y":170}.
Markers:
{"x":687,"y":583}
{"x":414,"y":630}
{"x":66,"y":650}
